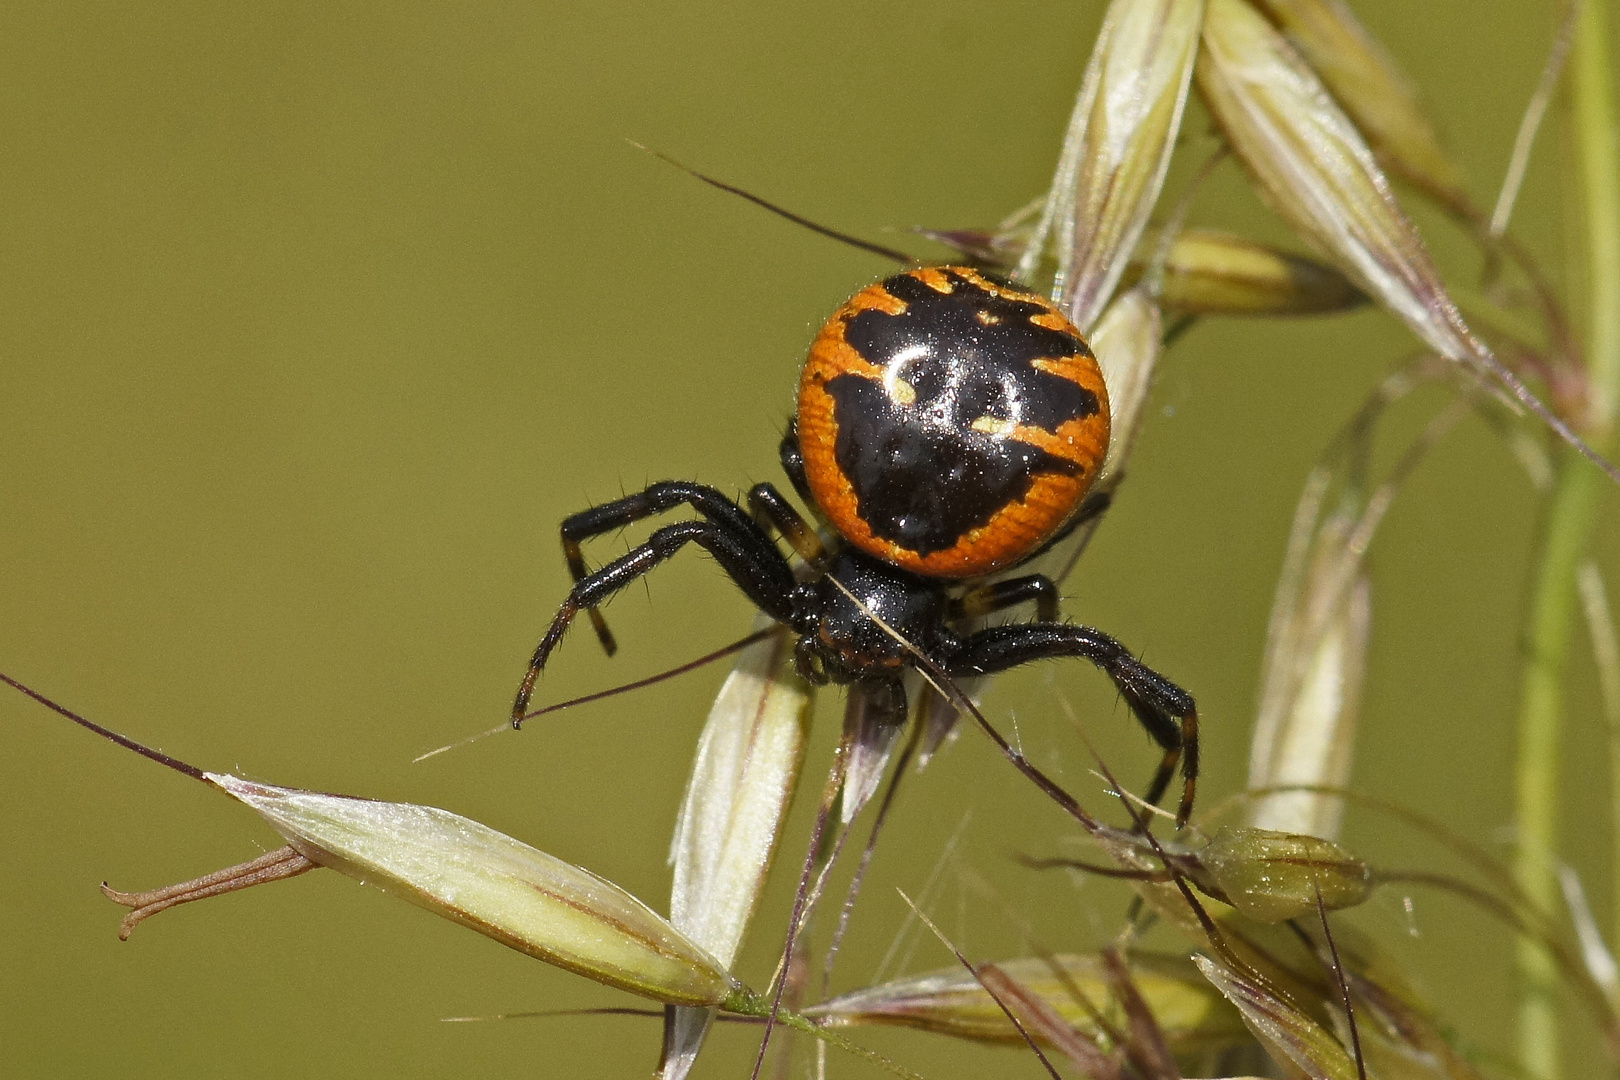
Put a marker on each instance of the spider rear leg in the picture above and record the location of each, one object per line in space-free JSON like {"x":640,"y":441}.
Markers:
{"x":1000,"y":595}
{"x":656,"y":499}
{"x":791,"y":455}
{"x":1166,"y":710}
{"x":772,"y":511}
{"x":743,"y":551}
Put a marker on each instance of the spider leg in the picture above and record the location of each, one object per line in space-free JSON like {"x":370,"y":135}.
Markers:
{"x":742,"y":549}
{"x":1166,"y":710}
{"x":772,"y":511}
{"x":808,"y":663}
{"x":936,"y":711}
{"x":656,"y":499}
{"x":792,"y":458}
{"x":999,"y":595}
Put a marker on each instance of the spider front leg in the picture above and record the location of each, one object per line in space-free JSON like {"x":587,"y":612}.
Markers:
{"x":1166,"y":710}
{"x":741,"y":547}
{"x":656,"y":499}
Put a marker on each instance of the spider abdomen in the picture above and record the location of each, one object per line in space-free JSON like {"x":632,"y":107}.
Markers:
{"x":949,"y":422}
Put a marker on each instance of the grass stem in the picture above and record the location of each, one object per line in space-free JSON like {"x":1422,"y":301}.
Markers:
{"x":1606,"y":651}
{"x":1567,"y":534}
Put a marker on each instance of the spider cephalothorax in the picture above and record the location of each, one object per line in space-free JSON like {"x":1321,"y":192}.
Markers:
{"x":949,"y":426}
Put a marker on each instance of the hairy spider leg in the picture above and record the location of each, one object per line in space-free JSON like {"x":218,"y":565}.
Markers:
{"x":772,"y":511}
{"x":999,"y":595}
{"x":656,"y":499}
{"x":742,"y":548}
{"x":1166,"y":710}
{"x":934,"y":709}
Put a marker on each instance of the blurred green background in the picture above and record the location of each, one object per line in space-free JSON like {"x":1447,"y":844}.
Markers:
{"x":316,"y":318}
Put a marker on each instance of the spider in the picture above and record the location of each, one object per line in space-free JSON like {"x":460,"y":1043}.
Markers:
{"x":949,"y":427}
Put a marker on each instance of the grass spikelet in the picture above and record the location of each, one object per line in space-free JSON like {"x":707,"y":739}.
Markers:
{"x":1289,"y":1035}
{"x":1211,"y":272}
{"x":1316,"y":170}
{"x":1272,"y":876}
{"x":1373,"y":90}
{"x":1116,"y":150}
{"x":743,"y":778}
{"x":1076,"y":986}
{"x":1128,"y":343}
{"x":503,"y":888}
{"x":1313,"y":166}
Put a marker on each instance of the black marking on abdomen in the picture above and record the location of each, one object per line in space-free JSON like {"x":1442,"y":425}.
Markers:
{"x":923,"y":485}
{"x":945,"y":350}
{"x":923,"y":475}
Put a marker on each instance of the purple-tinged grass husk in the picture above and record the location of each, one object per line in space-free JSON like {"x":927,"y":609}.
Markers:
{"x":1290,"y":1036}
{"x":951,"y":1002}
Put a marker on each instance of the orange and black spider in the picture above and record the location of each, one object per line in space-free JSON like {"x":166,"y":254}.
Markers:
{"x":949,"y":427}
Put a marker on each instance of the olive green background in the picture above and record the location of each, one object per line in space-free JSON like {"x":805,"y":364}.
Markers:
{"x":316,"y":318}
